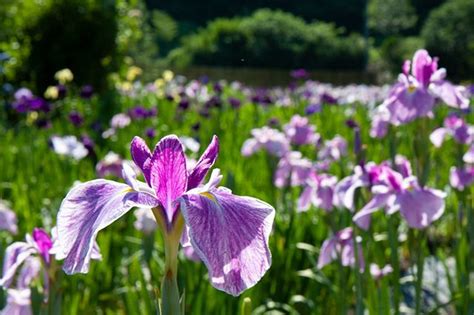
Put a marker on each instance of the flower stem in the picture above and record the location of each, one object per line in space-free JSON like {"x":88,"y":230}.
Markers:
{"x":419,"y":271}
{"x":393,"y":240}
{"x":170,"y":304}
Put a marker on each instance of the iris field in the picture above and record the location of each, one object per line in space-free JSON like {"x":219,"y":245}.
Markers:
{"x":373,"y":202}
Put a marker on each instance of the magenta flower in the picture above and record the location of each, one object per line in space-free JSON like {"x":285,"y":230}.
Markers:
{"x":319,"y":192}
{"x":300,"y":131}
{"x":415,"y":95}
{"x":341,"y":246}
{"x":229,"y":233}
{"x":454,"y":127}
{"x":419,"y":206}
{"x":8,"y":220}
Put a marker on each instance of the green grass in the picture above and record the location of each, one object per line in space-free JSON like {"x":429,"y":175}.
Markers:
{"x":34,"y":179}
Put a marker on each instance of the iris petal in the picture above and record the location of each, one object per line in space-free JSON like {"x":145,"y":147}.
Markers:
{"x":207,"y":160}
{"x":87,"y":209}
{"x":168,"y":173}
{"x":230,"y":234}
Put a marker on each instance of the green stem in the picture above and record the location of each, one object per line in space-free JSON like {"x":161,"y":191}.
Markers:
{"x":393,"y":241}
{"x":419,"y":271}
{"x":170,"y":303}
{"x":359,"y":293}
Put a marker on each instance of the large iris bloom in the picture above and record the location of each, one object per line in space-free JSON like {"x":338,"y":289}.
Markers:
{"x":229,"y":233}
{"x":415,"y":95}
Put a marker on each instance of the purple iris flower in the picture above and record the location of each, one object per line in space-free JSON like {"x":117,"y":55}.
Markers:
{"x":138,"y":112}
{"x":341,"y":246}
{"x":415,"y":95}
{"x":76,"y":118}
{"x":455,"y":127}
{"x":120,"y":121}
{"x":236,"y":254}
{"x":299,"y":74}
{"x":419,"y":206}
{"x":19,"y":296}
{"x":36,"y":246}
{"x":319,"y":192}
{"x":23,"y":263}
{"x":272,"y":140}
{"x":8,"y":220}
{"x":292,"y":169}
{"x":461,"y":178}
{"x":300,"y":131}
{"x":312,"y":109}
{"x":380,"y":122}
{"x":150,"y":133}
{"x":234,"y":102}
{"x":110,"y":165}
{"x":367,"y":175}
{"x":87,"y":91}
{"x":327,"y":98}
{"x":333,"y":149}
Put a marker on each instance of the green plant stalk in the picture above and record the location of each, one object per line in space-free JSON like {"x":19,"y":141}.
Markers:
{"x":170,"y":304}
{"x":419,"y":271}
{"x":359,"y":292}
{"x":395,"y":262}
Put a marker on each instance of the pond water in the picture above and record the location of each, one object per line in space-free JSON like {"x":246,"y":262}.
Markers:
{"x":275,"y":77}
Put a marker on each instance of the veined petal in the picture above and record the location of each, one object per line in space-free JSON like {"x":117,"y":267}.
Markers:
{"x":168,"y":173}
{"x":207,"y":160}
{"x":87,"y":209}
{"x":230,"y":234}
{"x":141,"y":155}
{"x":362,"y":218}
{"x":15,"y":255}
{"x":421,"y":206}
{"x":450,"y":94}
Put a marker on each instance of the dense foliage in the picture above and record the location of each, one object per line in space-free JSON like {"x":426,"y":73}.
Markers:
{"x":270,"y":38}
{"x":448,"y":34}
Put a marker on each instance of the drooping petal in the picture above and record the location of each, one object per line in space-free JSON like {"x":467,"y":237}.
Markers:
{"x":327,"y":252}
{"x":168,"y":173}
{"x":28,"y":273}
{"x":230,"y":234}
{"x":468,"y":157}
{"x":304,"y":201}
{"x":141,"y":155}
{"x":250,"y":146}
{"x":15,"y":256}
{"x":18,"y":302}
{"x":450,"y":94}
{"x":206,"y":161}
{"x":87,"y":209}
{"x":345,"y":191}
{"x":362,"y":218}
{"x":437,"y":136}
{"x":421,"y":206}
{"x":8,"y":220}
{"x":410,"y":104}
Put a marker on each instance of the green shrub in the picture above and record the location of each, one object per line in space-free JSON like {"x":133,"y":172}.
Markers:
{"x":448,"y":33}
{"x":395,"y":50}
{"x":76,"y":35}
{"x":271,"y":39}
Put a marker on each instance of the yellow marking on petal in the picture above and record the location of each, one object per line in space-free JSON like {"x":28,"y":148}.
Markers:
{"x":209,"y":196}
{"x":411,"y":88}
{"x":127,"y":190}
